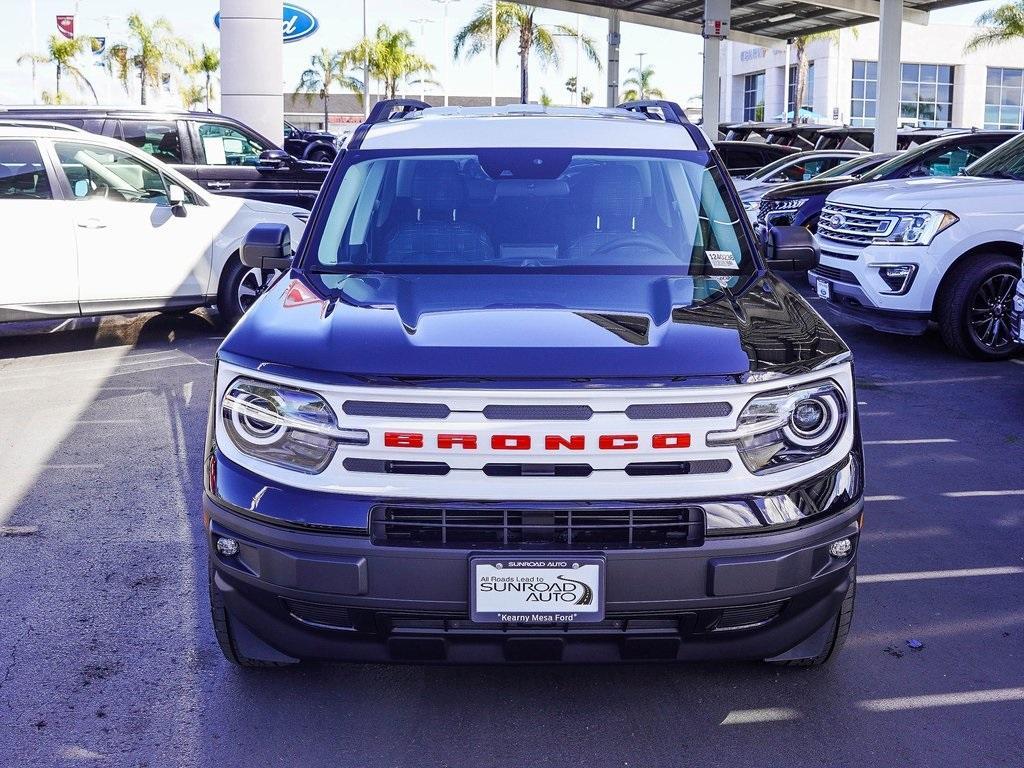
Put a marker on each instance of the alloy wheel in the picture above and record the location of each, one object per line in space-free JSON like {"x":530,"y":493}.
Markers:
{"x":989,"y":317}
{"x":252,"y":285}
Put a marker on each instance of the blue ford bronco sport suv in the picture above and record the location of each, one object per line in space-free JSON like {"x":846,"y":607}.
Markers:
{"x":526,"y":392}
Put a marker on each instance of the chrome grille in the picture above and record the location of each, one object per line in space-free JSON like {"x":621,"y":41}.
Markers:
{"x":778,"y":210}
{"x":855,"y":226}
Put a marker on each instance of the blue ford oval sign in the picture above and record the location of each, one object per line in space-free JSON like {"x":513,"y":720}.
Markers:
{"x":298,"y":23}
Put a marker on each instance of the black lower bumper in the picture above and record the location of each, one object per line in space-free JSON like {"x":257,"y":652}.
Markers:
{"x":308,"y":595}
{"x":851,"y":302}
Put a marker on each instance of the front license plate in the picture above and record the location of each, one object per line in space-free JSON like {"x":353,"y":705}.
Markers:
{"x":536,"y":590}
{"x":824,"y":289}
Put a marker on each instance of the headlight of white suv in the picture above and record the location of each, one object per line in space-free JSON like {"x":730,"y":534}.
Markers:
{"x":776,"y":430}
{"x":288,"y":427}
{"x":916,"y":227}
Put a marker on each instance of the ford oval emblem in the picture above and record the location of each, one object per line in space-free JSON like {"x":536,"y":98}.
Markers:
{"x":297,"y":23}
{"x":838,"y":221}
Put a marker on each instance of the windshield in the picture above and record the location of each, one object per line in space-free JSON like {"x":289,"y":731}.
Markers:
{"x":532,"y":210}
{"x":1004,"y":162}
{"x":772,"y":167}
{"x":855,"y":167}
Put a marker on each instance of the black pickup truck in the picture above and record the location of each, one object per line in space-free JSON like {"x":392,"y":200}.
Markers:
{"x":219,"y":153}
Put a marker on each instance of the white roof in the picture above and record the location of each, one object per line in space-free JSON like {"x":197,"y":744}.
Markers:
{"x":42,"y":132}
{"x":527,"y":125}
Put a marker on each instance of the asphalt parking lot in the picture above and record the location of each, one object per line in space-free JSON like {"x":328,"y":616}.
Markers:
{"x":107,"y":655}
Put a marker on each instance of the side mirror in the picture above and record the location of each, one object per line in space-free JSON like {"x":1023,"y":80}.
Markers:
{"x":267,"y":246}
{"x":176,"y":199}
{"x":274,"y":160}
{"x":791,"y":248}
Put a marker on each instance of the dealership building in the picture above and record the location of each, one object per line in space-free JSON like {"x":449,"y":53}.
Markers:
{"x":940,"y":85}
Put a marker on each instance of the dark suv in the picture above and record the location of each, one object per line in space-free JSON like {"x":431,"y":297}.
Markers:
{"x":319,"y":146}
{"x":217,"y":152}
{"x":800,"y":203}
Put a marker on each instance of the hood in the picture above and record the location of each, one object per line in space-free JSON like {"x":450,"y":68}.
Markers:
{"x":744,"y":184}
{"x":530,"y":327}
{"x":811,"y":188}
{"x":755,"y":191}
{"x":941,"y":192}
{"x":258,"y":206}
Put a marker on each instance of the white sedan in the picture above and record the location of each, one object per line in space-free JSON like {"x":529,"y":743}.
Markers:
{"x":95,"y":226}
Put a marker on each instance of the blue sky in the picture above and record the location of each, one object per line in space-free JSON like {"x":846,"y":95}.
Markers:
{"x":675,"y":56}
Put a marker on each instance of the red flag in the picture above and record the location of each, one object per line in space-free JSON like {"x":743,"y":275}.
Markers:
{"x":66,"y":26}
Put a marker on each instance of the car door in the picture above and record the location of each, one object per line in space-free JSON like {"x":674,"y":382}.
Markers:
{"x":228,"y":157}
{"x":135,"y":251}
{"x":38,"y":261}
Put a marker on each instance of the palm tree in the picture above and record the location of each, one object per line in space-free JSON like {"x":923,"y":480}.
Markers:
{"x":586,"y":96}
{"x":192,"y":94}
{"x":390,"y":58}
{"x":325,"y":69}
{"x":150,"y":49}
{"x":61,"y":52}
{"x":515,"y":20}
{"x":998,"y":25}
{"x":802,"y":66}
{"x":205,"y":62}
{"x":640,"y":86}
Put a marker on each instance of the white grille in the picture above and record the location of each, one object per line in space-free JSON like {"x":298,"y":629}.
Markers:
{"x":856,"y":226}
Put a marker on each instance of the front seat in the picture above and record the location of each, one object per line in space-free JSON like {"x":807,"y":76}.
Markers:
{"x":614,"y":198}
{"x":438,"y":234}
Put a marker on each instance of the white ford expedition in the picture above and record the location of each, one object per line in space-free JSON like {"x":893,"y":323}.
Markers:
{"x":897,"y":255}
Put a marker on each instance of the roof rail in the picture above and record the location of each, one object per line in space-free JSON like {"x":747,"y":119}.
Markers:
{"x":670,"y":111}
{"x":382,"y":112}
{"x":385,"y":110}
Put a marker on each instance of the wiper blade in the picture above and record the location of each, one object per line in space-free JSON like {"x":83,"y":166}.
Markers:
{"x":1001,"y":174}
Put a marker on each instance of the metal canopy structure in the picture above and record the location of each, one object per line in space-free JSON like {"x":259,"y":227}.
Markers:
{"x":769,"y":23}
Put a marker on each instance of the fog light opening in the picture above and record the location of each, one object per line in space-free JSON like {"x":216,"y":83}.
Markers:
{"x":841,"y":548}
{"x":229,"y":547}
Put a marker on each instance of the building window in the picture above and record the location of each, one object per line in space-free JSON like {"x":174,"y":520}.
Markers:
{"x":926,"y":95}
{"x":753,"y":96}
{"x":808,"y":89}
{"x":864,"y":94}
{"x":1004,"y":96}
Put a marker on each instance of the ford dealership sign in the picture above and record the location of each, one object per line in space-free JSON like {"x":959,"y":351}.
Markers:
{"x":298,"y":23}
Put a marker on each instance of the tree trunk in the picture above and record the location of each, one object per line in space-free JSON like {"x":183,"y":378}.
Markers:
{"x":207,"y":91}
{"x":57,"y":97}
{"x":524,"y":65}
{"x":801,"y":80}
{"x":142,"y":86}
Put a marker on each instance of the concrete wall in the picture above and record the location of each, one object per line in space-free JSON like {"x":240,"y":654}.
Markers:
{"x":251,"y":72}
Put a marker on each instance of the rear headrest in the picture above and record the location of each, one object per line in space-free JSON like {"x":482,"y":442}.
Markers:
{"x":437,"y":187}
{"x":616,"y":191}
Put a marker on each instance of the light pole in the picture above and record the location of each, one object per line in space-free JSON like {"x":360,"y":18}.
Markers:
{"x":423,"y":77}
{"x":494,"y":52}
{"x":444,"y":42}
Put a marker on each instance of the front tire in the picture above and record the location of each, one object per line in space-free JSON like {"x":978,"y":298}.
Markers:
{"x":973,"y":310}
{"x":840,"y":630}
{"x":321,"y":156}
{"x":222,"y":628}
{"x":239,"y":288}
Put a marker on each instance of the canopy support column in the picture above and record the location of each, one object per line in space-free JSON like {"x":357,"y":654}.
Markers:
{"x":614,"y":38}
{"x":890,"y":38}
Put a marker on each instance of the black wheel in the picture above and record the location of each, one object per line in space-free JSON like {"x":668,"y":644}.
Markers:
{"x":973,"y":310}
{"x":225,"y":637}
{"x":840,"y":629}
{"x":240,"y":286}
{"x":321,"y":155}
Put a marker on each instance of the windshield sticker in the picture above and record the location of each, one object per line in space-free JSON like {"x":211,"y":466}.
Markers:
{"x":722,"y":259}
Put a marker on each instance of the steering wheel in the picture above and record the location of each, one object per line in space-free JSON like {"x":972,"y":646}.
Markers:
{"x":637,"y":240}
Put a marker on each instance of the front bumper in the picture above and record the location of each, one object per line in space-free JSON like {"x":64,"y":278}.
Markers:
{"x":860,"y":294}
{"x":306,"y":594}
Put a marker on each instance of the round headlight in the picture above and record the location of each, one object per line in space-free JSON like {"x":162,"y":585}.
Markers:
{"x":254,"y":420}
{"x":808,"y":417}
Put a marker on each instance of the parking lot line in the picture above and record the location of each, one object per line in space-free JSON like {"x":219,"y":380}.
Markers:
{"x":883,"y":498}
{"x":764,"y":715}
{"x":942,"y":699}
{"x":885,"y":578}
{"x":971,"y":494}
{"x":918,"y":441}
{"x":876,"y":413}
{"x":1018,"y":362}
{"x":912,"y":382}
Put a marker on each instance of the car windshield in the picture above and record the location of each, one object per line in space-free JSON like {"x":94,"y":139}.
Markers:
{"x":905,"y":159}
{"x":855,"y":167}
{"x":532,"y":210}
{"x":765,"y":171}
{"x":1004,"y":162}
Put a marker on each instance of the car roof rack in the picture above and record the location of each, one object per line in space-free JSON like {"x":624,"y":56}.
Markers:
{"x":383,"y":112}
{"x":669,"y":112}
